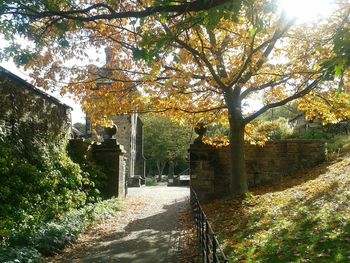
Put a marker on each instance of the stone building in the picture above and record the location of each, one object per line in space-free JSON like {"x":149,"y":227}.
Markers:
{"x":28,"y":112}
{"x":300,"y":124}
{"x":130,"y":136}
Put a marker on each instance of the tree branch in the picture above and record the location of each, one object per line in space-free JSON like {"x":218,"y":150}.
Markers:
{"x":264,"y":86}
{"x":295,"y":96}
{"x":269,"y":44}
{"x":218,"y":54}
{"x":83,"y":13}
{"x":184,"y":110}
{"x":210,"y":67}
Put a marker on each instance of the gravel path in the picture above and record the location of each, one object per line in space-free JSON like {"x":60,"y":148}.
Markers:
{"x":146,"y":230}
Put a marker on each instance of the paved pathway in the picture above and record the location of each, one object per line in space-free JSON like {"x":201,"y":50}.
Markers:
{"x":145,"y":231}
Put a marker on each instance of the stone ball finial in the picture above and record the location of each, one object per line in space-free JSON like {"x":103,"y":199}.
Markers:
{"x":111,"y":131}
{"x":200,"y":129}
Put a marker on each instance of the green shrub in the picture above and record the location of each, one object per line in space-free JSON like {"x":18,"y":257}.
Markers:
{"x":339,"y":144}
{"x":315,"y":134}
{"x":80,"y":151}
{"x":30,"y":245}
{"x":38,"y":183}
{"x":19,"y":255}
{"x":282,"y":129}
{"x":150,"y":181}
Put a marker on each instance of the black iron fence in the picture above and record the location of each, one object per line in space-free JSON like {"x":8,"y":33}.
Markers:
{"x":208,"y":243}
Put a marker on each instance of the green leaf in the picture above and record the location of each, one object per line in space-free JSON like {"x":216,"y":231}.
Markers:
{"x":64,"y":43}
{"x":176,"y":58}
{"x":212,"y":19}
{"x":338,"y":70}
{"x":253,"y":31}
{"x":163,"y":19}
{"x":139,"y":54}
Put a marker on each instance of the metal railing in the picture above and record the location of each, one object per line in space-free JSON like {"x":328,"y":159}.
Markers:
{"x":187,"y":171}
{"x":209,"y":245}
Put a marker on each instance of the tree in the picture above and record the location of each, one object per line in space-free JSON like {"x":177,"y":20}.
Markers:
{"x":195,"y":66}
{"x":165,"y":141}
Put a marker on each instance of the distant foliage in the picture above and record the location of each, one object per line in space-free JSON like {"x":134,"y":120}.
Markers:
{"x":165,"y":141}
{"x":316,"y":134}
{"x":288,"y":112}
{"x":81,"y":127}
{"x":282,"y":129}
{"x":338,"y":142}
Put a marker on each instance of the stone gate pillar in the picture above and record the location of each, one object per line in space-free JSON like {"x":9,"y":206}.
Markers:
{"x":201,"y":168}
{"x":110,"y":155}
{"x":202,"y":171}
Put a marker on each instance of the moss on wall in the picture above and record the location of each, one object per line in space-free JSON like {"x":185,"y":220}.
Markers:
{"x":29,"y":114}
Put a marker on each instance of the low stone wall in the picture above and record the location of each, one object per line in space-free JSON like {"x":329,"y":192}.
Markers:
{"x":210,"y":166}
{"x":282,"y":158}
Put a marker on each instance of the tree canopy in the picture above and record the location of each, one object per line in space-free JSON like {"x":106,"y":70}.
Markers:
{"x":204,"y":64}
{"x":89,"y":10}
{"x":165,"y":141}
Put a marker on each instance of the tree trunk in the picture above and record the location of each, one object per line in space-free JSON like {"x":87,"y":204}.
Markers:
{"x":160,"y":168}
{"x":238,"y":184}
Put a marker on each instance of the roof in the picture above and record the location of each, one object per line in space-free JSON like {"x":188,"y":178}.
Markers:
{"x":297,"y":117}
{"x":10,"y":75}
{"x":75,"y":130}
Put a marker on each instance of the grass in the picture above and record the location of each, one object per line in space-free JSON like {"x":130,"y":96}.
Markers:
{"x":305,"y":218}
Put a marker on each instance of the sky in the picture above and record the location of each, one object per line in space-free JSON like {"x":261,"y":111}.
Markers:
{"x":305,"y":11}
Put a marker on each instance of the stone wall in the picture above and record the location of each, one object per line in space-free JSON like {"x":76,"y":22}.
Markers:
{"x":210,"y":166}
{"x":29,"y":113}
{"x":282,"y":158}
{"x":123,"y":136}
{"x":202,"y":171}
